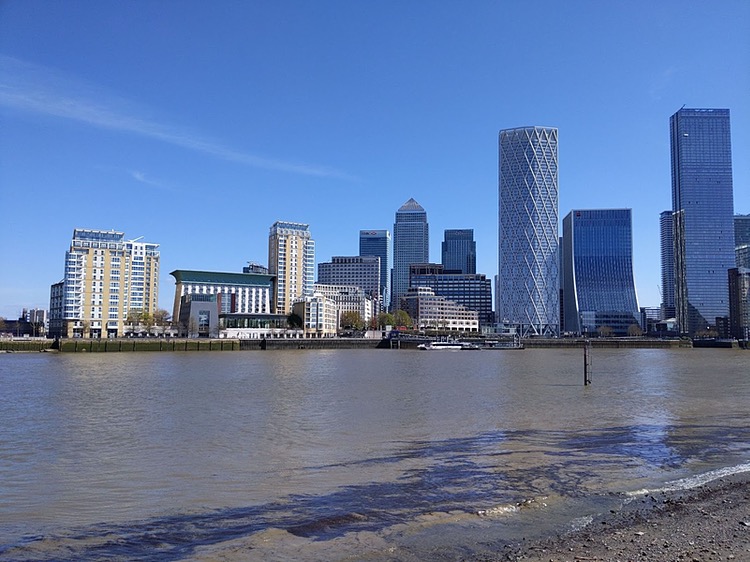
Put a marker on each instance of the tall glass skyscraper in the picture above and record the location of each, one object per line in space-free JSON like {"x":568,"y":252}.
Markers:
{"x":703,"y":205}
{"x":598,"y":281}
{"x":460,"y":251}
{"x":378,"y":243}
{"x":528,"y":279}
{"x":411,"y":244}
{"x":666,"y":231}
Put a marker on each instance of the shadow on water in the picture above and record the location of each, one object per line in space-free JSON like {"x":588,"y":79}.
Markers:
{"x":457,"y":474}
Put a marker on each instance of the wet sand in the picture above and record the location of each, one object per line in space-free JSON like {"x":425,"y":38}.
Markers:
{"x":710,"y":522}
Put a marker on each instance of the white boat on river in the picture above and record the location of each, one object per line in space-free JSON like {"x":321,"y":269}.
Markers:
{"x":446,"y":345}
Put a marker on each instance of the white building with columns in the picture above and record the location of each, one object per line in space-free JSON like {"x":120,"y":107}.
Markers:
{"x":239,"y":293}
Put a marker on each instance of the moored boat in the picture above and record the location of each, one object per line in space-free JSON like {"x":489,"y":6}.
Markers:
{"x":446,"y":345}
{"x":508,"y":344}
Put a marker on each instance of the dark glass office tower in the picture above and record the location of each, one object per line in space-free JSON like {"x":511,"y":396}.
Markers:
{"x":703,"y":206}
{"x":742,"y":241}
{"x":741,"y":230}
{"x":598,"y":281}
{"x":378,"y":243}
{"x":666,"y":230}
{"x":460,"y":251}
{"x":471,"y":290}
{"x":411,"y":244}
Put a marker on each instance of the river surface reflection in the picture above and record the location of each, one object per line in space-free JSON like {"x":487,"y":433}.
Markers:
{"x":326,"y":455}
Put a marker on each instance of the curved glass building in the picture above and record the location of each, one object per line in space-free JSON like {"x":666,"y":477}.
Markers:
{"x":598,"y":284}
{"x":528,"y":294}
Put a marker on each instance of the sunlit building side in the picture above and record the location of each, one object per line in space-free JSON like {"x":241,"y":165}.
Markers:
{"x":359,"y":271}
{"x":528,"y":277}
{"x":106,"y":278}
{"x":473,"y":291}
{"x":434,"y":312}
{"x":348,"y":298}
{"x":291,"y":259}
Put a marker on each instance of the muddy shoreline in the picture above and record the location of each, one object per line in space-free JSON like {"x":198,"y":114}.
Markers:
{"x":709,"y":522}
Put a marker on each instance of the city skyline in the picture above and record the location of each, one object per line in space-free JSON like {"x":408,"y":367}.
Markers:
{"x":332,"y":115}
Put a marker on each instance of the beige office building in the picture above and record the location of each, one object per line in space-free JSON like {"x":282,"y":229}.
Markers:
{"x":319,"y":314}
{"x":106,"y":277}
{"x":291,"y":259}
{"x":434,"y":312}
{"x":348,"y":298}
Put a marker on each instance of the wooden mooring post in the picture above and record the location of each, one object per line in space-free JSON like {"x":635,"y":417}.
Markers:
{"x":587,"y":363}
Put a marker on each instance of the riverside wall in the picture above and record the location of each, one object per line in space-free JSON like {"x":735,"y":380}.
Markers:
{"x":78,"y":345}
{"x":117,"y":345}
{"x":204,"y":344}
{"x":10,"y":345}
{"x":609,"y":343}
{"x":313,"y":343}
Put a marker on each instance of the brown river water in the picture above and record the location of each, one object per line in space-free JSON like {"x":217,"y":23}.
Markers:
{"x":349,"y":454}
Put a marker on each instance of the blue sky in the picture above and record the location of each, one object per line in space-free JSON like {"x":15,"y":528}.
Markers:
{"x":198,"y":124}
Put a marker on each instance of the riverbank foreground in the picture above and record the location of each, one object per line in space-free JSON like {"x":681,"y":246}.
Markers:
{"x":710,"y":522}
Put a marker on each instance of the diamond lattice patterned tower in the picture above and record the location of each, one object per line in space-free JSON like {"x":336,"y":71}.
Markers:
{"x":528,"y":283}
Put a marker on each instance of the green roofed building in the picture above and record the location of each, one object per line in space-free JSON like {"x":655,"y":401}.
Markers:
{"x":236,"y":293}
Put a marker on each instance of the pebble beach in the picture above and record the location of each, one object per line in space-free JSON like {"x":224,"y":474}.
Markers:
{"x":707,"y":523}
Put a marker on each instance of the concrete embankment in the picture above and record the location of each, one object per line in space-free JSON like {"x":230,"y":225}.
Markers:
{"x":625,"y":343}
{"x":202,"y":344}
{"x":124,"y":344}
{"x":314,"y":343}
{"x":23,"y":345}
{"x":184,"y":344}
{"x":554,"y":343}
{"x":149,"y":344}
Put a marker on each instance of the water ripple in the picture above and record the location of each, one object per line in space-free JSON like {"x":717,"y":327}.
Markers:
{"x":460,"y":474}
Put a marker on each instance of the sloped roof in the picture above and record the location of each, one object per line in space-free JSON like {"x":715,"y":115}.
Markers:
{"x":411,"y":206}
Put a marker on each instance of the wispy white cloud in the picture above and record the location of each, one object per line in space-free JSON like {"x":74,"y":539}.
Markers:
{"x":33,"y":88}
{"x":140,"y":177}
